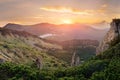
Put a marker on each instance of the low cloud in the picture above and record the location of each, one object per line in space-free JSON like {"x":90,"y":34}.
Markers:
{"x":104,"y":5}
{"x":73,"y":10}
{"x":64,"y":10}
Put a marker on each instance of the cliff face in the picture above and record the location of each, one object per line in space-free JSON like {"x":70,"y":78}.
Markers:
{"x":75,"y":60}
{"x":111,"y":35}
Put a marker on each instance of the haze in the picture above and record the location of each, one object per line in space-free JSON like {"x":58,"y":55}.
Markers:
{"x":58,"y":11}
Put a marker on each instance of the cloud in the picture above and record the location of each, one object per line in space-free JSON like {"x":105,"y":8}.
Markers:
{"x":74,"y":10}
{"x":64,"y":10}
{"x":104,"y":6}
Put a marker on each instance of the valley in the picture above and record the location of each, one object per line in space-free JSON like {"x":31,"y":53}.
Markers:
{"x":23,"y":47}
{"x":59,"y":40}
{"x":67,"y":60}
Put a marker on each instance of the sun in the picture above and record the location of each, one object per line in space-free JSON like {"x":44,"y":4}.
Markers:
{"x":66,"y":21}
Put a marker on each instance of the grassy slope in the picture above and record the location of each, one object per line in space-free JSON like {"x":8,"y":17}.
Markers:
{"x":18,"y":49}
{"x":105,"y":66}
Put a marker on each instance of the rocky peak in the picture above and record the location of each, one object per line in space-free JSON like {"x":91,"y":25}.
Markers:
{"x":116,"y":25}
{"x":112,"y":34}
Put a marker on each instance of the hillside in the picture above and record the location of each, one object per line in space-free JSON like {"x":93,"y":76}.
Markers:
{"x":60,"y":32}
{"x":25,"y":48}
{"x":83,"y":48}
{"x":104,"y":66}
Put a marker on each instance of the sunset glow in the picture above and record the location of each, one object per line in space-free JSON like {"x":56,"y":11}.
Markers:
{"x":67,"y":21}
{"x":58,"y":12}
{"x":66,"y":10}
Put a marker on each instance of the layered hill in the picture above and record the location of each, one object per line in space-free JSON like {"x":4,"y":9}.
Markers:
{"x":104,"y":66}
{"x":23,"y":47}
{"x":60,"y":32}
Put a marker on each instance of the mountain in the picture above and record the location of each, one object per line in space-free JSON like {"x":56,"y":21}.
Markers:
{"x":104,"y":66}
{"x":24,"y":48}
{"x":60,"y":32}
{"x":112,"y":36}
{"x":101,"y":25}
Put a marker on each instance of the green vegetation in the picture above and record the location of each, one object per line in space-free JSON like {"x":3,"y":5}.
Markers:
{"x":105,"y":66}
{"x":86,"y":53}
{"x":61,"y":54}
{"x":20,"y":50}
{"x":85,"y":49}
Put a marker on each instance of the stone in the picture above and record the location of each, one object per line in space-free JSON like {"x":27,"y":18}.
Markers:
{"x":111,"y":35}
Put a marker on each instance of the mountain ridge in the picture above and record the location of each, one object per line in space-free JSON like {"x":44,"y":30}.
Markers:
{"x":104,"y":66}
{"x":24,"y":48}
{"x":64,"y":31}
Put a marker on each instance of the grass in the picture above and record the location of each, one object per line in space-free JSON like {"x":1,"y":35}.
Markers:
{"x":18,"y":50}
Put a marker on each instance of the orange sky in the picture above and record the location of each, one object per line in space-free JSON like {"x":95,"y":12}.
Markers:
{"x":58,"y":12}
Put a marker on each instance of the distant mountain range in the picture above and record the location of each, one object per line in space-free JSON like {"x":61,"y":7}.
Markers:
{"x":22,"y":47}
{"x":61,"y":32}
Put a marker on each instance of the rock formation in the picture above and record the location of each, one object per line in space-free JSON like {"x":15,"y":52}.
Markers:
{"x":75,"y":60}
{"x":38,"y":63}
{"x":112,"y":35}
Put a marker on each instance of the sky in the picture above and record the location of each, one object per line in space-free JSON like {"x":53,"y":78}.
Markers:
{"x":58,"y":11}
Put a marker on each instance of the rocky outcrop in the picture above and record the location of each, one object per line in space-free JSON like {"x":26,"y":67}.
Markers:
{"x":75,"y":59}
{"x":112,"y":35}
